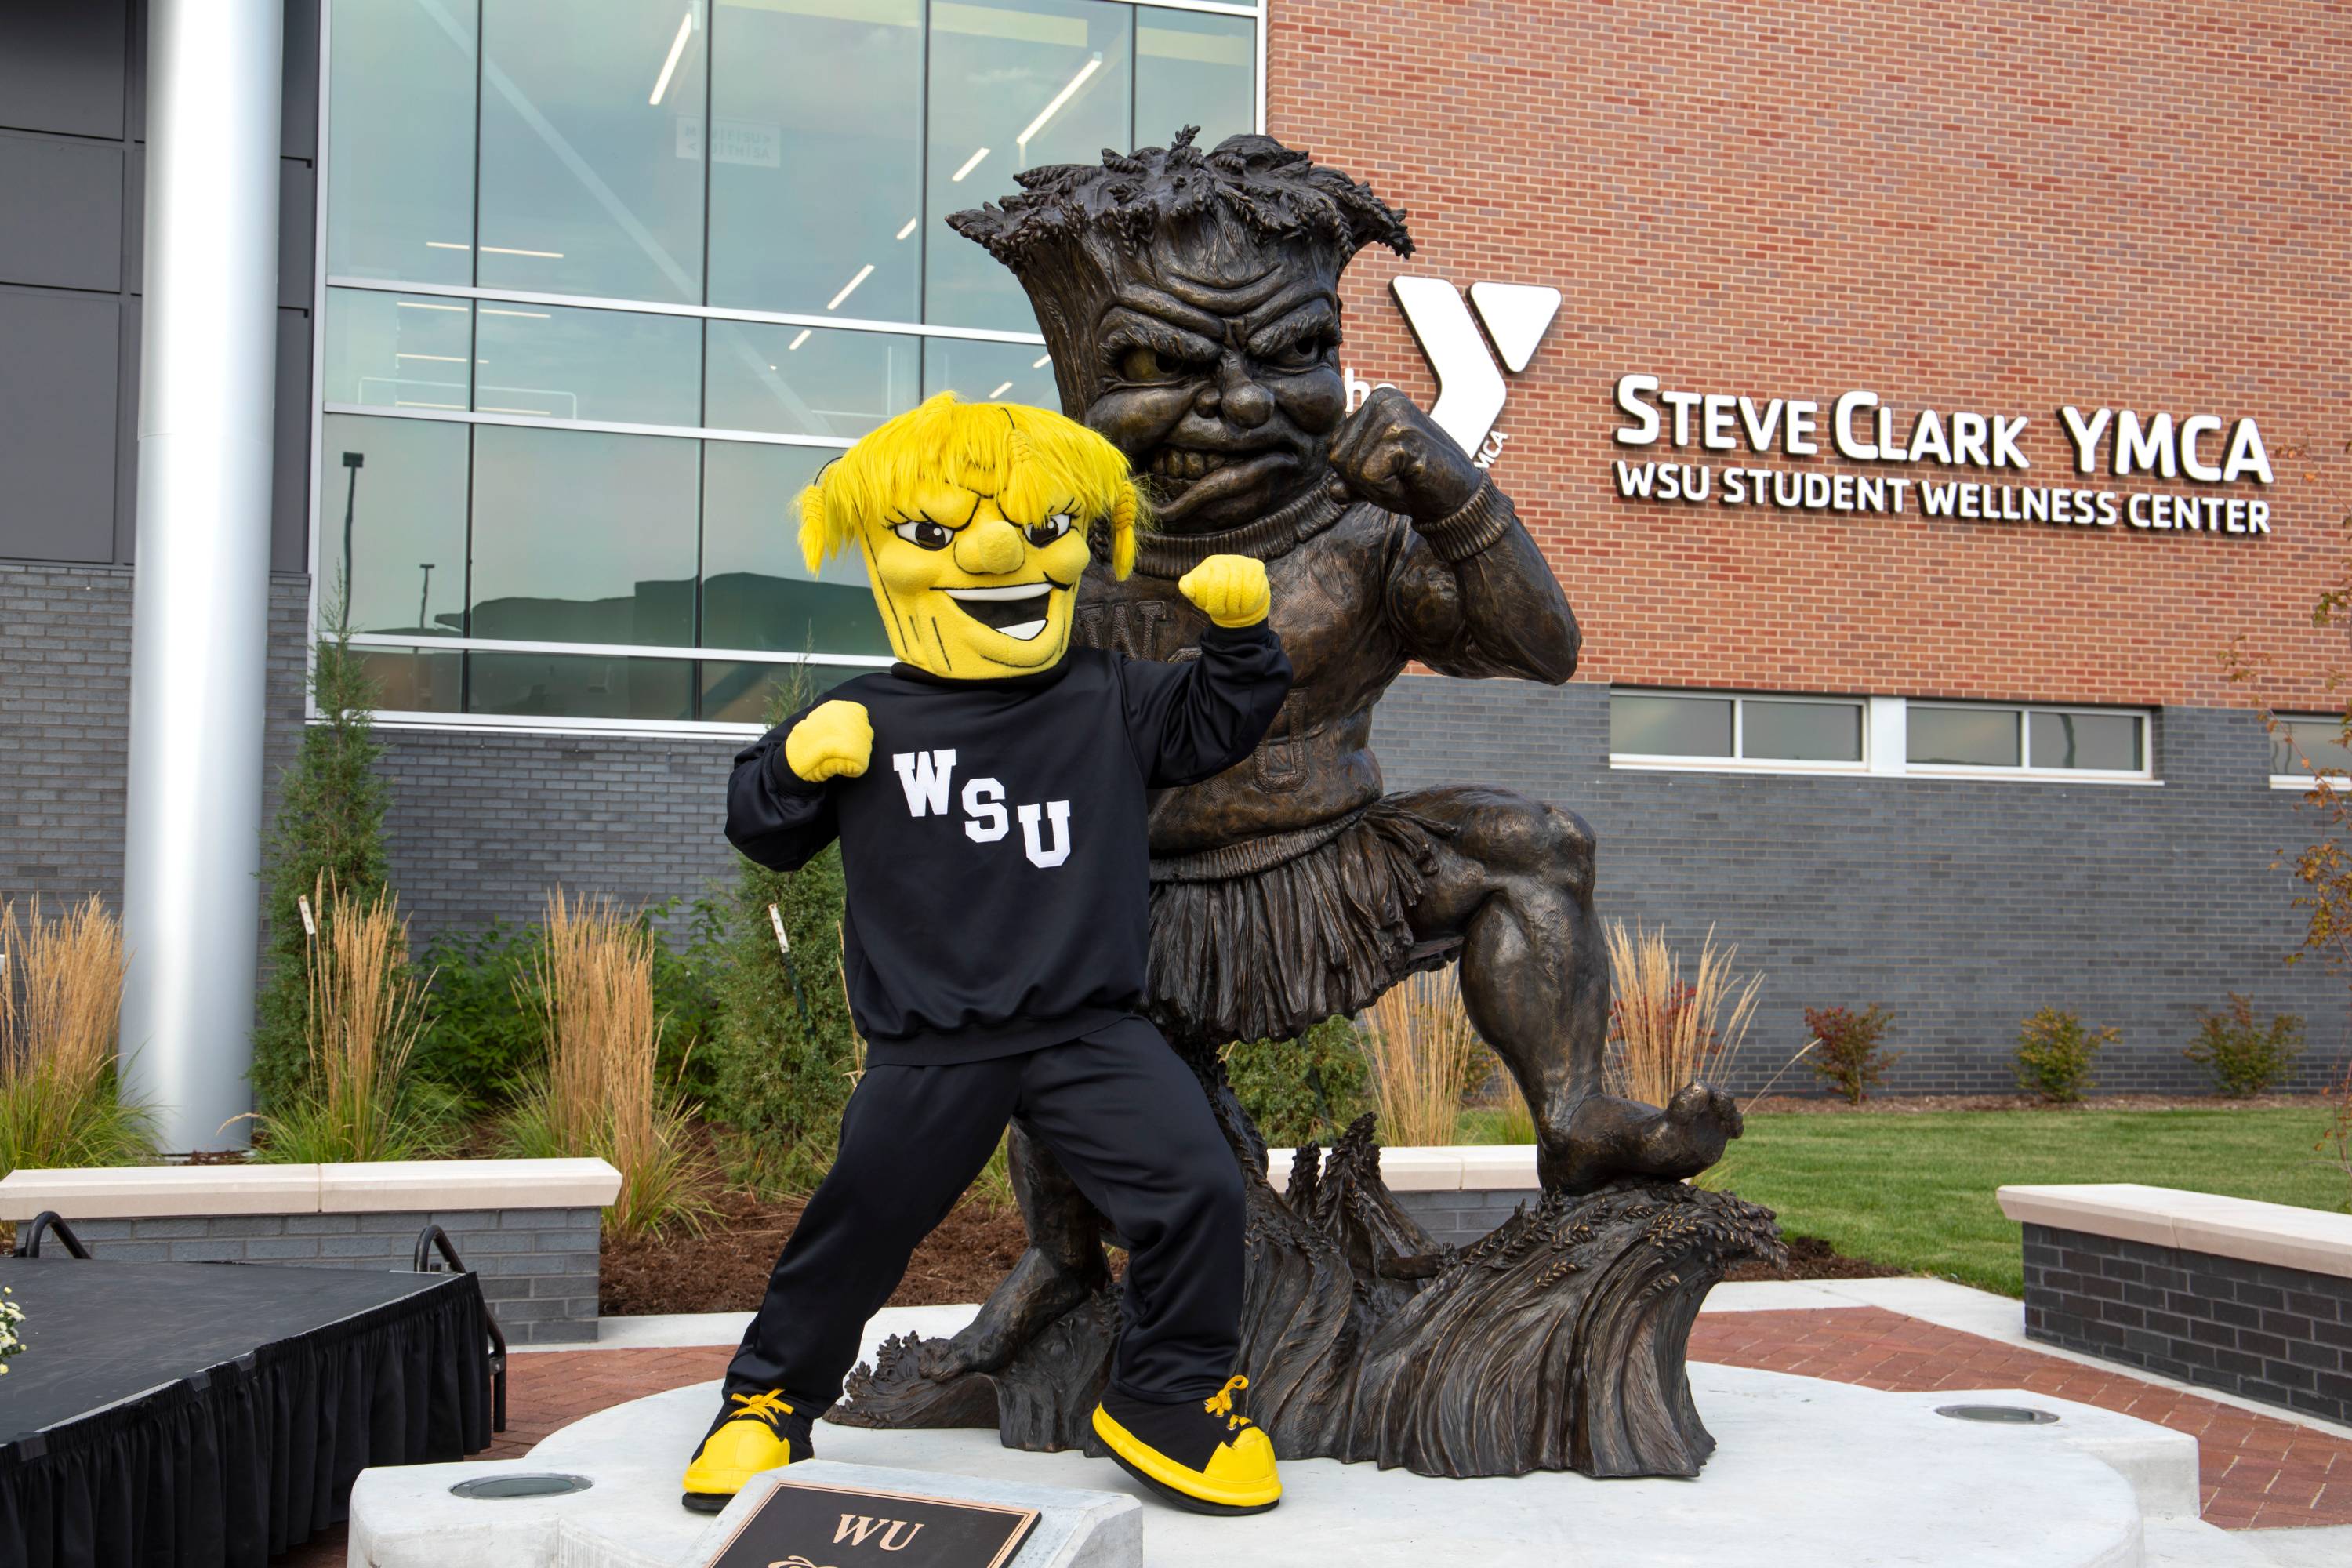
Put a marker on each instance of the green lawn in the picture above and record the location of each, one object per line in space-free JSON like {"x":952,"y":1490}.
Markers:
{"x":1916,"y":1192}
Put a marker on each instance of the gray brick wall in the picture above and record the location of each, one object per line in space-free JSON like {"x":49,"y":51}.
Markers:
{"x":1458,"y":1218}
{"x":538,"y":1267}
{"x":2283,"y":1336}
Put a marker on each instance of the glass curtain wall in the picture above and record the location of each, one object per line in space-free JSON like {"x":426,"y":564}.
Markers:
{"x":608,"y":281}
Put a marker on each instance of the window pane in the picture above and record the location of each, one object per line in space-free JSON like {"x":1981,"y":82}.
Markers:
{"x":2110,"y":741}
{"x":803,"y":381}
{"x":400,"y":176}
{"x":1670,"y":726}
{"x":410,"y":682}
{"x":591,"y":148}
{"x":573,"y":686}
{"x":736,"y":691}
{"x":1192,"y":68}
{"x":588,"y":364}
{"x":1963,"y":737}
{"x":756,"y":593}
{"x":816,"y":157}
{"x":1802,"y":731}
{"x":396,"y":351}
{"x":403,"y":508}
{"x":2301,"y":745}
{"x":1014,"y":84}
{"x":990,"y":372}
{"x":583,"y":537}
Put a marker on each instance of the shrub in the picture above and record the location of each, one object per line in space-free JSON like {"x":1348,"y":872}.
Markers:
{"x":1423,"y":1052}
{"x":1846,"y":1053}
{"x":2054,"y":1055}
{"x":61,"y":1005}
{"x":1304,"y":1090}
{"x":329,"y":824}
{"x":2246,"y":1057}
{"x":1665,"y":1032}
{"x":365,"y":1010}
{"x":484,"y":1040}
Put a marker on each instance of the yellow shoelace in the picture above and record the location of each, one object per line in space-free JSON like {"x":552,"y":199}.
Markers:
{"x":767,"y":1406}
{"x":1222,"y":1402}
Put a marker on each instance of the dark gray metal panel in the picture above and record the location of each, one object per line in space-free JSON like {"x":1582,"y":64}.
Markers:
{"x":298,"y":134}
{"x":288,"y":514}
{"x":134,"y":218}
{"x":126,"y":433}
{"x":60,"y":212}
{"x":62,"y":67}
{"x":297,"y":231}
{"x":57,"y":425}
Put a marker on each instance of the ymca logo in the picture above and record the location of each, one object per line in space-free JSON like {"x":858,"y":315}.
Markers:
{"x":1470,"y":387}
{"x":926,"y":777}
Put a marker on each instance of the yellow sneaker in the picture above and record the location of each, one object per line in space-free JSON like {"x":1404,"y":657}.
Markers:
{"x":766,"y":1433}
{"x":1203,"y":1456}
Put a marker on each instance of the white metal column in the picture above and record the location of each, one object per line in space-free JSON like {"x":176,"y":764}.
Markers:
{"x":201,"y":615}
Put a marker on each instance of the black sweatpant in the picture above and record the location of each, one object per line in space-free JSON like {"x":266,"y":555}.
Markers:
{"x":1129,"y":1122}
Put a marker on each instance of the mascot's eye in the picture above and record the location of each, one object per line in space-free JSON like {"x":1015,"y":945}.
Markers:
{"x":1143,"y":363}
{"x":1040,"y":534}
{"x":924,"y":532}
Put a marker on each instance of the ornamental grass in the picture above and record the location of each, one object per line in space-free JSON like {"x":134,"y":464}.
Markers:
{"x":60,"y":1014}
{"x":594,"y":975}
{"x":1664,"y":1031}
{"x":1423,"y":1053}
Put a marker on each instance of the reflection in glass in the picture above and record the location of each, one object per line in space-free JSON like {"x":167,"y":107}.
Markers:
{"x":1014,"y":84}
{"x":581,"y":536}
{"x":400,"y":172}
{"x":737,"y":691}
{"x":756,"y":593}
{"x":414,"y":681}
{"x":2301,"y":746}
{"x":401,"y":507}
{"x":578,"y":686}
{"x":1194,"y":68}
{"x":816,"y":157}
{"x":591,"y":148}
{"x":1670,"y":726}
{"x":806,"y":380}
{"x":2107,"y":741}
{"x":564,"y":363}
{"x":1963,"y":737}
{"x":396,"y":351}
{"x":990,"y":372}
{"x":1802,"y":731}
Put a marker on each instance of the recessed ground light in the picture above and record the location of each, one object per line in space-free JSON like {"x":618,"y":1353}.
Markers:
{"x":498,"y":1488}
{"x":1998,"y":1414}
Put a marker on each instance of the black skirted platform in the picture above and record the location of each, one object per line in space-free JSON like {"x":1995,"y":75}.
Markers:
{"x":210,"y":1414}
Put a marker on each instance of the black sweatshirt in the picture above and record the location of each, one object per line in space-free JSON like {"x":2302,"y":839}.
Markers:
{"x":998,"y":881}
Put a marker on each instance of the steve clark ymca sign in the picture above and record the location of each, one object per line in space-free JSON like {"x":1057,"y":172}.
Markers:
{"x":2194,"y":449}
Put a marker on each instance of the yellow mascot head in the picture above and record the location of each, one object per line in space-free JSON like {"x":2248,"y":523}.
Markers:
{"x":973,"y":519}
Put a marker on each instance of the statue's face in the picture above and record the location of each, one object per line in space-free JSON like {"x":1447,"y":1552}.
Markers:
{"x":1214,"y":367}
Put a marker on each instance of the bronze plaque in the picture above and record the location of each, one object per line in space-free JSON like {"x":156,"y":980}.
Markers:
{"x":811,"y":1525}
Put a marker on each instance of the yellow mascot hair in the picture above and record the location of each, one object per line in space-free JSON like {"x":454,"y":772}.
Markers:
{"x":1032,"y":460}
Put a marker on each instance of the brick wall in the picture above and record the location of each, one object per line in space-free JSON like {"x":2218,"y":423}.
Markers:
{"x":1460,"y":1218}
{"x":2280,"y":1335}
{"x":2005,"y":207}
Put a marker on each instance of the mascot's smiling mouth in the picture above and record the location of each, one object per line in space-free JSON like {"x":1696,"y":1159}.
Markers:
{"x":1017,"y":610}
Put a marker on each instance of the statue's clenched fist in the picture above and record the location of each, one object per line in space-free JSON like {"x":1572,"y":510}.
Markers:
{"x":1389,"y":453}
{"x":1229,"y":589}
{"x":835,"y":740}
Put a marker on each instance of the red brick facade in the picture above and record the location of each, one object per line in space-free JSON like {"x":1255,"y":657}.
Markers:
{"x":1995,"y":206}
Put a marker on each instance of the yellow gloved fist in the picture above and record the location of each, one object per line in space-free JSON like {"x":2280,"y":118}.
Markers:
{"x":1229,"y":589}
{"x":834,"y":741}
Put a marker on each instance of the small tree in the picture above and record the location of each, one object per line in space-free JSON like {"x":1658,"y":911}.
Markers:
{"x":2244,"y":1056}
{"x":1304,"y":1090}
{"x":1846,"y":1053}
{"x":330,"y":825}
{"x":2054,"y":1052}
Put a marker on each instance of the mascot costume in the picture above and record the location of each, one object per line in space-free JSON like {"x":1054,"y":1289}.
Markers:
{"x":990,"y":794}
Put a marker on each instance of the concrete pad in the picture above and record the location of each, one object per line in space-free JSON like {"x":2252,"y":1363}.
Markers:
{"x":392,"y":1186}
{"x":2193,"y":1543}
{"x":2324,"y":1546}
{"x":1809,"y":1473}
{"x":158,"y":1191}
{"x":2159,"y":1463}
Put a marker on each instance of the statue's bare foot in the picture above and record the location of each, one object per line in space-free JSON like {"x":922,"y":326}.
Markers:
{"x":1610,"y":1137}
{"x":1038,"y":1292}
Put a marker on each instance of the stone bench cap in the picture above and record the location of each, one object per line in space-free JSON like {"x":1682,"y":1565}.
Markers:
{"x":2252,"y":1232}
{"x":1474,"y":1167}
{"x":153,"y":1192}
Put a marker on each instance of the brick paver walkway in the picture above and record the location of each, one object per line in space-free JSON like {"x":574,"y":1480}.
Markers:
{"x":2257,"y":1471}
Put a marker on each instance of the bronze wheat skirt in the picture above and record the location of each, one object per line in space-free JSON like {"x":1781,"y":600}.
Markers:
{"x":1263,"y":939}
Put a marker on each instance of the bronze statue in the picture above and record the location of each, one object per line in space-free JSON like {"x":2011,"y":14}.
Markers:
{"x":1189,"y":302}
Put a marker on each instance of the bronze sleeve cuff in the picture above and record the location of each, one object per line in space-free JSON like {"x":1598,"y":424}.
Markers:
{"x":1485,"y":518}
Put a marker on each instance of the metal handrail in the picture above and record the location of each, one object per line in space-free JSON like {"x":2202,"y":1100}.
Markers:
{"x":28,"y":1239}
{"x":433,"y":1238}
